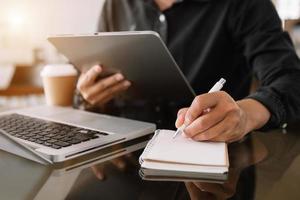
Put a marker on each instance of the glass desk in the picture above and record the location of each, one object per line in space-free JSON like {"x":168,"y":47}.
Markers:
{"x":263,"y":166}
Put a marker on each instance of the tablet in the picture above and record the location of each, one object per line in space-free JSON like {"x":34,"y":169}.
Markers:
{"x":142,"y":57}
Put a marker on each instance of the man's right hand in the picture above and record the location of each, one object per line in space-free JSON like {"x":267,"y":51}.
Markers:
{"x":98,"y":92}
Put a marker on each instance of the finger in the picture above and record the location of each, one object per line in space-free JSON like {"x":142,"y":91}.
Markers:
{"x":180,"y":117}
{"x":197,"y":193}
{"x":111,"y":92}
{"x":109,"y":81}
{"x":101,"y":85}
{"x":106,"y":99}
{"x":119,"y":163}
{"x":233,"y":132}
{"x":192,"y":190}
{"x":213,"y":188}
{"x":205,"y":122}
{"x":199,"y":186}
{"x":99,"y":172}
{"x":221,"y":131}
{"x":131,"y":159}
{"x":213,"y":132}
{"x":90,"y":76}
{"x":199,"y":104}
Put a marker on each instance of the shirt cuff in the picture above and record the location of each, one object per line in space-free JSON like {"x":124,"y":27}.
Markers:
{"x":274,"y":105}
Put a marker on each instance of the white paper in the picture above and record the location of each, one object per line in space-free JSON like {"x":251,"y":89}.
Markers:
{"x":183,"y":167}
{"x":186,"y":151}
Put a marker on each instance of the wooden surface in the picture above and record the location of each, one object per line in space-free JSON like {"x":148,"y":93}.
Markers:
{"x":25,"y":81}
{"x":21,"y":90}
{"x":289,"y":24}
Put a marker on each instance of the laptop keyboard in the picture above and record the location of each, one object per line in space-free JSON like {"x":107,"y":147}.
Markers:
{"x":50,"y":134}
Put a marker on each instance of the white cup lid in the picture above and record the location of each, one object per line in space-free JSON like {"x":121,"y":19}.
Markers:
{"x":59,"y":70}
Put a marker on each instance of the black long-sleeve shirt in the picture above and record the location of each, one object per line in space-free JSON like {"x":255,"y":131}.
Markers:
{"x":234,"y":39}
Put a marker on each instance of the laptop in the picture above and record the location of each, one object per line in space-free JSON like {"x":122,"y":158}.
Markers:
{"x":56,"y":134}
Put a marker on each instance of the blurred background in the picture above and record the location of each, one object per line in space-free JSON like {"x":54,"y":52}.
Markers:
{"x":25,"y":25}
{"x":24,"y":28}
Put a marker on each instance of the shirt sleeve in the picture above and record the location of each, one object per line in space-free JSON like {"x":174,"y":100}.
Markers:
{"x":257,"y":31}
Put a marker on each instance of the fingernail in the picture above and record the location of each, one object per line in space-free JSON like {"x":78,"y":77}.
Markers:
{"x":121,"y":165}
{"x":179,"y":118}
{"x":100,"y":176}
{"x":97,"y":68}
{"x":176,"y":124}
{"x":119,"y":77}
{"x":127,"y":83}
{"x":176,"y":121}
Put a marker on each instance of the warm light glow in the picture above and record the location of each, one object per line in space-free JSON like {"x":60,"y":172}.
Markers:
{"x":15,"y":19}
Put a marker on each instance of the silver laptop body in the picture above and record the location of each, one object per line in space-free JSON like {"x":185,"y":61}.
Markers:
{"x":117,"y":129}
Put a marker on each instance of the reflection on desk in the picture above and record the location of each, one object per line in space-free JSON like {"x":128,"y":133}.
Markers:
{"x":55,"y":181}
{"x":263,"y":166}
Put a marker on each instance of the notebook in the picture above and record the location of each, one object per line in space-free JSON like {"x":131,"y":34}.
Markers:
{"x":165,"y":158}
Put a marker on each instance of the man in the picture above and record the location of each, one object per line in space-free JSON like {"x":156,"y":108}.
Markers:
{"x":209,"y":39}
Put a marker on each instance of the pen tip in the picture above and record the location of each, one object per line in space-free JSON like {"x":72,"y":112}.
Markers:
{"x":222,"y":81}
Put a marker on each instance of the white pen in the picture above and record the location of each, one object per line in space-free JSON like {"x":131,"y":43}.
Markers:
{"x":217,"y":87}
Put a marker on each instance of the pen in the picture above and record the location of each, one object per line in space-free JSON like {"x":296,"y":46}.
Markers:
{"x":217,"y":87}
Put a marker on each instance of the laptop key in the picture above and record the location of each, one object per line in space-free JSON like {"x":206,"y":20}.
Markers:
{"x":39,"y":141}
{"x":66,"y":139}
{"x":37,"y":136}
{"x":47,"y":144}
{"x":82,"y":137}
{"x":99,"y":133}
{"x":94,"y":137}
{"x":62,"y":144}
{"x":36,"y":132}
{"x":52,"y":141}
{"x":20,"y":132}
{"x":43,"y":133}
{"x":55,"y":146}
{"x":24,"y":137}
{"x":31,"y":139}
{"x":74,"y":141}
{"x":45,"y":138}
{"x":51,"y":134}
{"x":58,"y":137}
{"x":30,"y":135}
{"x":12,"y":132}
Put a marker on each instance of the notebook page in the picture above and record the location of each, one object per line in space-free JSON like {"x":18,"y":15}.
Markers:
{"x":183,"y":150}
{"x":183,"y":167}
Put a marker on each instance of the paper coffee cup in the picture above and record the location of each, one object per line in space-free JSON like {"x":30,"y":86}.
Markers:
{"x":59,"y":83}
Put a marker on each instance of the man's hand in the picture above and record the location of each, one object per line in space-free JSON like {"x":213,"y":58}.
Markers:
{"x":99,"y":92}
{"x":217,"y":117}
{"x":164,"y":4}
